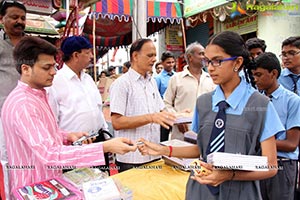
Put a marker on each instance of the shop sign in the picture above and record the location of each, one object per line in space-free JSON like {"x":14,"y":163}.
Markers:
{"x":43,"y":7}
{"x":192,"y":7}
{"x":174,"y":41}
{"x":242,"y":25}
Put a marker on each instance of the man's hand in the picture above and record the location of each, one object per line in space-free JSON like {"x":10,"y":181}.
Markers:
{"x":119,"y":146}
{"x":74,"y":136}
{"x":149,"y":148}
{"x":164,"y":118}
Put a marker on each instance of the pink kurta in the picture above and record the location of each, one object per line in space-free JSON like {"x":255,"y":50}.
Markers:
{"x":35,"y":144}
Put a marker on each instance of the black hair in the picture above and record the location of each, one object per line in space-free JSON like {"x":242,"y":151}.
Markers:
{"x":11,"y":3}
{"x":103,"y":72}
{"x":233,"y":44}
{"x":127,"y":64}
{"x":256,"y":43}
{"x":167,"y":54}
{"x":111,"y":68}
{"x":156,"y":64}
{"x":293,"y":41}
{"x":28,"y":50}
{"x":66,"y":57}
{"x":268,"y":61}
{"x":137,"y":45}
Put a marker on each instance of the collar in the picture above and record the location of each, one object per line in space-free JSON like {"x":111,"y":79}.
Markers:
{"x":165,"y":73}
{"x":37,"y":92}
{"x":186,"y":72}
{"x":276,"y":93}
{"x":136,"y":76}
{"x":287,"y":72}
{"x":4,"y":36}
{"x":69,"y":73}
{"x":234,"y":99}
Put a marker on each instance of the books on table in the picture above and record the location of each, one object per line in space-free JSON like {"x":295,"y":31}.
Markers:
{"x":81,"y":175}
{"x":223,"y":160}
{"x":104,"y":189}
{"x":54,"y":188}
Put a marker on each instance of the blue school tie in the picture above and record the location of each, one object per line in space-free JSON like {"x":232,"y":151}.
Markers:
{"x":295,"y":80}
{"x":217,"y":138}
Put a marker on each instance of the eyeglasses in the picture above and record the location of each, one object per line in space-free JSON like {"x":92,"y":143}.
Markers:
{"x":10,"y":2}
{"x":217,"y":62}
{"x":289,"y":54}
{"x":7,"y":3}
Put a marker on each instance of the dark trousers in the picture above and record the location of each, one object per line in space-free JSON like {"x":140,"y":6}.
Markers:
{"x":281,"y":186}
{"x":164,"y":133}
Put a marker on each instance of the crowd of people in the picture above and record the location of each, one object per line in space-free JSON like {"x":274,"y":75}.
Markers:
{"x":244,"y":102}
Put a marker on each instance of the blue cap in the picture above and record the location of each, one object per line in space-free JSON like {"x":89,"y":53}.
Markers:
{"x":74,"y":43}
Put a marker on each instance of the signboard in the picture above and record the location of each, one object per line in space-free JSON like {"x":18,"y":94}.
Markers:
{"x":43,"y":7}
{"x":242,"y":26}
{"x":174,"y":39}
{"x":192,"y":7}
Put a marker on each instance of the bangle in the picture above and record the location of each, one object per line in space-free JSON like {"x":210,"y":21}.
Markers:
{"x":171,"y":149}
{"x":233,"y":175}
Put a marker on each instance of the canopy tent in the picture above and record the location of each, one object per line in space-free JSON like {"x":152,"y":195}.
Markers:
{"x":114,"y":20}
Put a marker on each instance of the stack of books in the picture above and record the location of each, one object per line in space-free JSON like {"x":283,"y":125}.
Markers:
{"x":81,"y":175}
{"x":183,"y":118}
{"x":221,"y":160}
{"x":191,"y":137}
{"x":178,"y":163}
{"x":105,"y":189}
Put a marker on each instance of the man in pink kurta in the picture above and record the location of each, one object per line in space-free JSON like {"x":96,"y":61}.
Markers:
{"x":34,"y":142}
{"x":36,"y":148}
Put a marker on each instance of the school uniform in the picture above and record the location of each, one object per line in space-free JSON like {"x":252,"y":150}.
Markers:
{"x":251,"y":119}
{"x":287,"y":82}
{"x":281,"y":186}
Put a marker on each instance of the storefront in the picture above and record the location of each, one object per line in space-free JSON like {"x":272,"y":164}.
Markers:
{"x":271,"y":21}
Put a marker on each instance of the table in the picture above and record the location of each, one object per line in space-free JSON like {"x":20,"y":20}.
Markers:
{"x":156,"y":181}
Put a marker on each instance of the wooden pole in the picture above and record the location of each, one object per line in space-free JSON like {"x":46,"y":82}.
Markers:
{"x":94,"y":48}
{"x":183,"y":34}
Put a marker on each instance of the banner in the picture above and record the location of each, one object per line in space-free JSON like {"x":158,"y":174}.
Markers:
{"x":42,"y":7}
{"x":174,"y":40}
{"x":192,"y":7}
{"x":242,"y":25}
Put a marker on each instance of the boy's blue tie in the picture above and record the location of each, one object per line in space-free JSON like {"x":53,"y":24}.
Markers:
{"x":295,"y":78}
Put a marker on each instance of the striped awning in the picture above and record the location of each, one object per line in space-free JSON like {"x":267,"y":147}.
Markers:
{"x":122,"y":9}
{"x":114,"y":21}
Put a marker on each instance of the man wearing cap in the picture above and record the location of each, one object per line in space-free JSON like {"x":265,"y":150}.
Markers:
{"x":74,"y":97}
{"x":13,"y":18}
